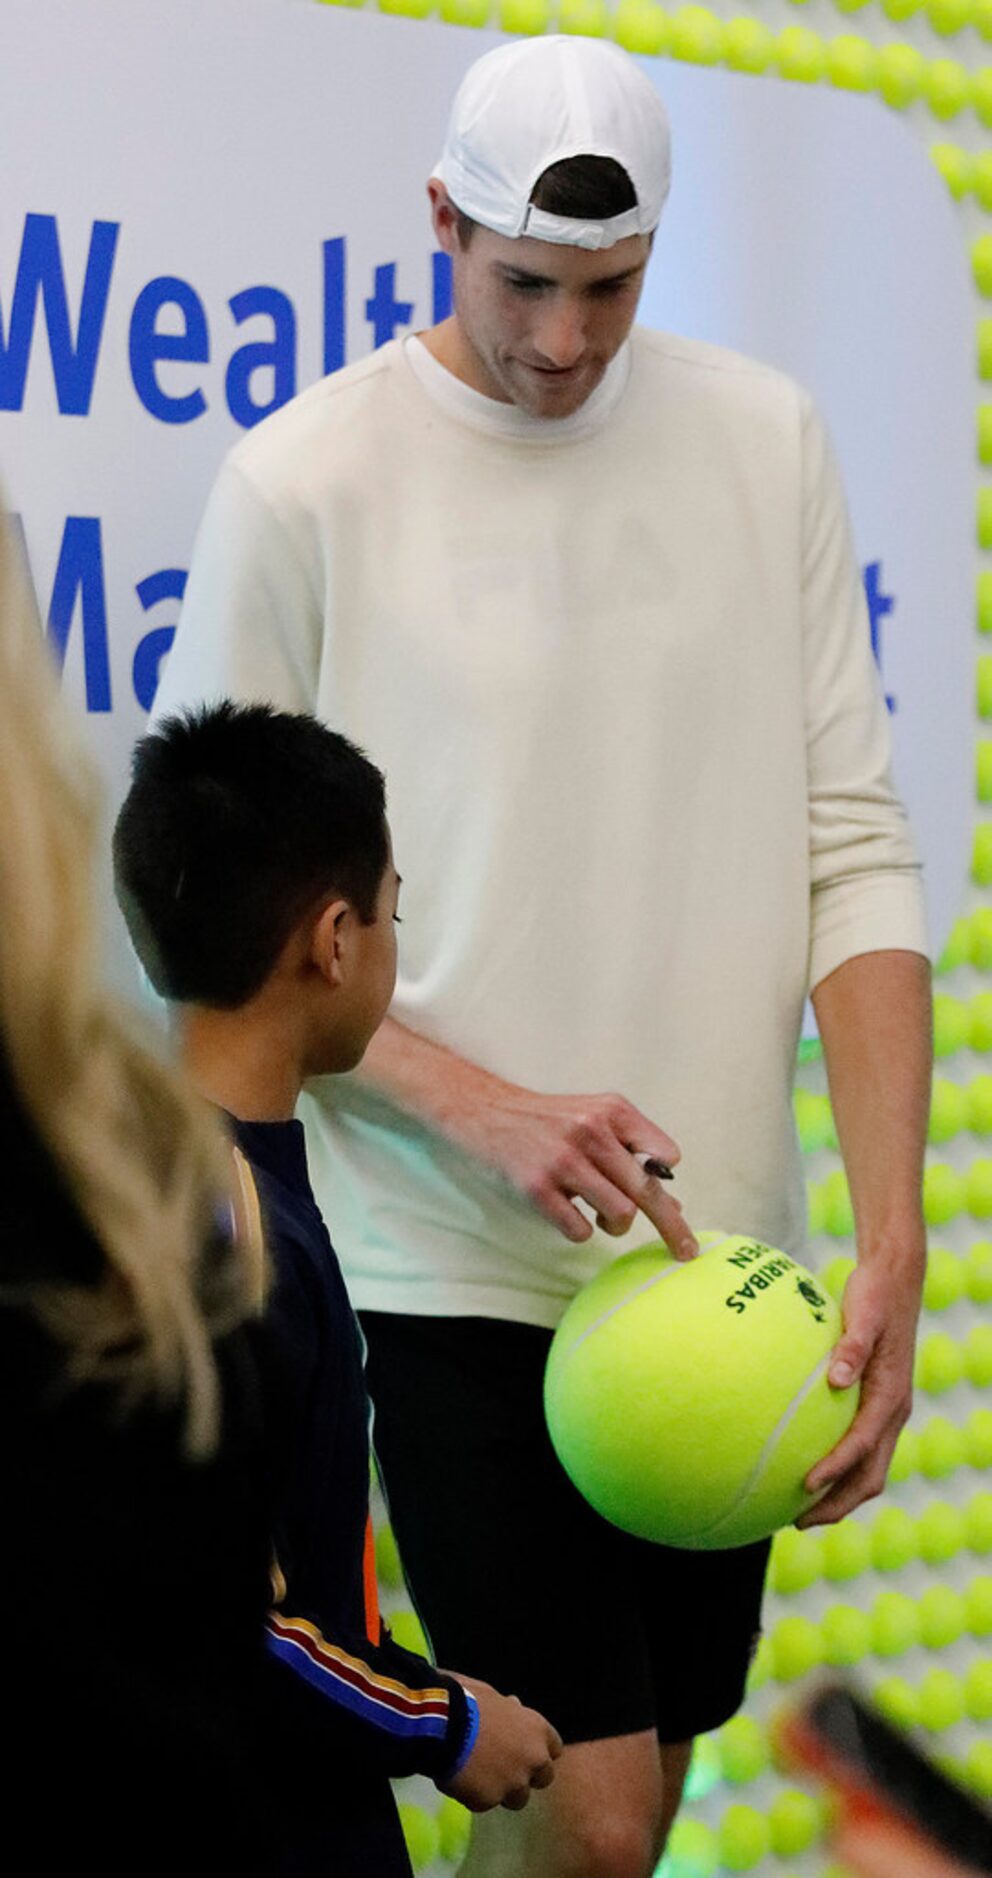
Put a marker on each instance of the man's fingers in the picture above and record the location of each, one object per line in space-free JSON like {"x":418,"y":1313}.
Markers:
{"x":516,"y":1800}
{"x":665,"y":1213}
{"x":543,"y":1775}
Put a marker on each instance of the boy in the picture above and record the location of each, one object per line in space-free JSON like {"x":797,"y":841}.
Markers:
{"x":254,"y":869}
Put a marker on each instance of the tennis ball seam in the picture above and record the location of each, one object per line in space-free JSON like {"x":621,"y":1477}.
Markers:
{"x":621,"y":1305}
{"x":767,"y":1453}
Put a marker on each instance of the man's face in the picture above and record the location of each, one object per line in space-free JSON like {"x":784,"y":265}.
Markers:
{"x":536,"y":322}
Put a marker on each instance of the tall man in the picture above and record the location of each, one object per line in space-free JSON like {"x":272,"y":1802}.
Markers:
{"x":587,"y":594}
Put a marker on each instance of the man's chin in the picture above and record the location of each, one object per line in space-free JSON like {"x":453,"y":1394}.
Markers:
{"x":549,"y":395}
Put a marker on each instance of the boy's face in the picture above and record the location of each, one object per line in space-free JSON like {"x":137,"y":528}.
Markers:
{"x":372,"y":978}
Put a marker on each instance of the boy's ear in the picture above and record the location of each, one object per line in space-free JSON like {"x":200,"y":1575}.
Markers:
{"x":329,"y":940}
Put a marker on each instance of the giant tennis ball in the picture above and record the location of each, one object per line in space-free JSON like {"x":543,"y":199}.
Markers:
{"x":688,"y":1401}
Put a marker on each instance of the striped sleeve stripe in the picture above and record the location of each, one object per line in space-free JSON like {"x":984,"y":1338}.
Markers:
{"x":351,"y":1684}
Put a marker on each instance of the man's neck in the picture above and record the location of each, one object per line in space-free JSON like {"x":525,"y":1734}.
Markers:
{"x":241,"y":1062}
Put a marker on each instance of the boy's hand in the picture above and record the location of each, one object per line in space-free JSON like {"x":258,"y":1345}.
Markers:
{"x":515,"y":1751}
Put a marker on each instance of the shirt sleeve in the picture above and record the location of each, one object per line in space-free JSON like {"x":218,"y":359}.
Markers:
{"x":251,"y":622}
{"x":382,"y":1706}
{"x":865,"y":875}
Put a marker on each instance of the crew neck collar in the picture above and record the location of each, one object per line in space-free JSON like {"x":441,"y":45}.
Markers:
{"x":508,"y":421}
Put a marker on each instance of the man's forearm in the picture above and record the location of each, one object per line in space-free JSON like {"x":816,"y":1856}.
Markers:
{"x":875,"y":1021}
{"x":425,"y":1079}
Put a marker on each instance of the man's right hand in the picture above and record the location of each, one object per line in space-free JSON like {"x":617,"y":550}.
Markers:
{"x":514,"y":1753}
{"x":551,"y":1149}
{"x":556,"y":1149}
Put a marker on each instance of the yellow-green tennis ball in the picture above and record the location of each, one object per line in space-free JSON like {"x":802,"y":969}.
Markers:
{"x":814,"y":1121}
{"x":747,"y":45}
{"x":981,"y":263}
{"x":983,"y":517}
{"x":899,"y":75}
{"x":944,"y":1193}
{"x":845,"y":1633}
{"x":983,"y":620}
{"x":981,"y":17}
{"x":524,"y":16}
{"x":905,"y":1457}
{"x":977,"y":1770}
{"x":940,"y":1448}
{"x":951,"y":1024}
{"x":978,"y":1271}
{"x":696,"y":35}
{"x":981,"y":183}
{"x":742,"y":1749}
{"x":948,"y":1110}
{"x":978,"y":1438}
{"x":688,"y":1401}
{"x":978,"y":1691}
{"x":983,"y":682}
{"x":388,"y":1569}
{"x":802,"y":57}
{"x":940,"y":1532}
{"x":943,"y":1617}
{"x":956,"y":947}
{"x":898,"y":1701}
{"x":978,"y":1522}
{"x":955,"y":167}
{"x":893,"y":1539}
{"x":816,"y":1210}
{"x":845,"y":1551}
{"x":795,"y":1561}
{"x":939,"y":1364}
{"x":408,"y":1631}
{"x":978,"y":1356}
{"x":851,"y":63}
{"x":978,"y":1606}
{"x":944,"y":1282}
{"x":704,"y":1768}
{"x":795,"y":1822}
{"x":796,"y":1648}
{"x":744,"y":1838}
{"x":899,"y":10}
{"x":946,"y":87}
{"x":640,"y":26}
{"x":981,"y":96}
{"x":948,"y":16}
{"x":454,"y":1828}
{"x":465,"y":12}
{"x":589,"y":18}
{"x":979,"y":1093}
{"x":835,"y":1275}
{"x":980,"y":1022}
{"x":895,"y":1624}
{"x":761,"y":1666}
{"x":941,"y":1700}
{"x":980,"y":922}
{"x":693,"y":1849}
{"x":838,"y":1211}
{"x":421,"y":1834}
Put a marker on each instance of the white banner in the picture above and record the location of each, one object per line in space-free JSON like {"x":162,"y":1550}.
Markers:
{"x":207,"y":205}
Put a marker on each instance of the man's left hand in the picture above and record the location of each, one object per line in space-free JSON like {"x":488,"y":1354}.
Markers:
{"x":881,"y":1308}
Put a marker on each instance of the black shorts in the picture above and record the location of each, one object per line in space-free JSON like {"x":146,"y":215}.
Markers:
{"x":516,"y":1579}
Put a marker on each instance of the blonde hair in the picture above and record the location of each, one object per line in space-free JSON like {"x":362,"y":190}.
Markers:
{"x":139,"y":1153}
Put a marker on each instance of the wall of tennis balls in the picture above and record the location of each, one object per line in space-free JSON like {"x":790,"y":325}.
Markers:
{"x":903,"y":1589}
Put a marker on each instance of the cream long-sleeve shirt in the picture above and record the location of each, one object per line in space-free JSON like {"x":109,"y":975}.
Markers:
{"x":617,"y":670}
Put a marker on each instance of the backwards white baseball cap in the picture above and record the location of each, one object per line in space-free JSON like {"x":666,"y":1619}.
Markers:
{"x":533,"y":103}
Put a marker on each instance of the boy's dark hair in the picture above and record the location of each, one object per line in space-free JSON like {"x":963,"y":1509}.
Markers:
{"x":588,"y":188}
{"x":239,"y":819}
